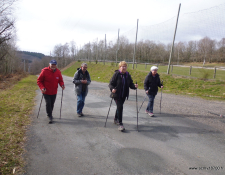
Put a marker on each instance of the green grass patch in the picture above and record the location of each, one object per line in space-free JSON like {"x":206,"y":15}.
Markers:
{"x":16,"y":104}
{"x":208,"y":89}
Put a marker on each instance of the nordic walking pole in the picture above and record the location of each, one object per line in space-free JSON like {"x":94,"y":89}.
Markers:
{"x":61,"y":104}
{"x":142,"y":103}
{"x":137,"y":107}
{"x":161,"y":97}
{"x":108,"y":112}
{"x":40,"y":105}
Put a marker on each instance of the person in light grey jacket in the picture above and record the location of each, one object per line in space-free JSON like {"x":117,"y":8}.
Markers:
{"x":81,"y":81}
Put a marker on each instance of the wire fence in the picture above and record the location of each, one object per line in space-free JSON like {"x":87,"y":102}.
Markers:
{"x":200,"y":37}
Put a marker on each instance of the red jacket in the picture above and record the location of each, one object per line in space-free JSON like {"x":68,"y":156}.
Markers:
{"x":50,"y":80}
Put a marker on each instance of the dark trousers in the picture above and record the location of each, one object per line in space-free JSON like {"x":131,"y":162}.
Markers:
{"x":50,"y":100}
{"x":119,"y":110}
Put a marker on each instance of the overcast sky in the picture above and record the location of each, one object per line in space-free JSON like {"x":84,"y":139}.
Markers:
{"x":42,"y":24}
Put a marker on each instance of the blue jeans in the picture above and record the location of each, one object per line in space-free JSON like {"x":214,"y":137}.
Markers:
{"x":150,"y":103}
{"x":80,"y":102}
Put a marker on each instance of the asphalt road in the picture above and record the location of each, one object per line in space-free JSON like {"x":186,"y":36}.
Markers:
{"x":186,"y":138}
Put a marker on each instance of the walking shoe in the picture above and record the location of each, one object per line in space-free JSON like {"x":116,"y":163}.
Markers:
{"x":121,"y":128}
{"x":50,"y":120}
{"x":82,"y":114}
{"x":116,"y":122}
{"x":48,"y":117}
{"x":79,"y":115}
{"x":146,"y":112}
{"x":151,"y":114}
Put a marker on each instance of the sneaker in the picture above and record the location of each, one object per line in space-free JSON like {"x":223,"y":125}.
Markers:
{"x":79,"y":115}
{"x":116,"y":122}
{"x":121,"y":128}
{"x":146,"y":112}
{"x":151,"y":114}
{"x":82,"y":114}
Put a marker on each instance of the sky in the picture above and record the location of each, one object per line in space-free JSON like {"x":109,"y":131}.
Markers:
{"x":42,"y":24}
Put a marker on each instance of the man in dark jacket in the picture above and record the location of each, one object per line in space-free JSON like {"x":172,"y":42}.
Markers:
{"x":151,"y":84}
{"x":119,"y":84}
{"x":81,"y":80}
{"x":48,"y":81}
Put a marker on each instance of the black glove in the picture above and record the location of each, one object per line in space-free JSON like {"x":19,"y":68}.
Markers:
{"x":149,"y":90}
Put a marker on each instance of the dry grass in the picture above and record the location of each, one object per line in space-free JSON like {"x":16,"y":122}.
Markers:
{"x":7,"y":81}
{"x":16,"y":103}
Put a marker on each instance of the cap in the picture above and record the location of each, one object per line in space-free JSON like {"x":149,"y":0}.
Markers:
{"x":154,"y":68}
{"x":53,"y":62}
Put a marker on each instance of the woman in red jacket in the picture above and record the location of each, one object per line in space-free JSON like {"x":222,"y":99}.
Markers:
{"x":48,"y":82}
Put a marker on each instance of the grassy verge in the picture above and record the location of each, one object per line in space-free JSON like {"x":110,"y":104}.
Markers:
{"x":182,"y":71}
{"x":211,"y":89}
{"x":16,"y":104}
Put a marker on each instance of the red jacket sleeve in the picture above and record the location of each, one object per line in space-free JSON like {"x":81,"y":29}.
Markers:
{"x":40,"y":80}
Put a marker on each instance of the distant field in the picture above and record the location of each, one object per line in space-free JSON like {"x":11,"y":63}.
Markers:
{"x":208,"y":89}
{"x":183,"y":71}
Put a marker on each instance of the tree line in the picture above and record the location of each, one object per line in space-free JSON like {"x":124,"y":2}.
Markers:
{"x":203,"y":50}
{"x":35,"y":54}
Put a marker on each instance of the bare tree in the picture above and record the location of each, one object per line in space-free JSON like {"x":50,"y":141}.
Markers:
{"x":203,"y":46}
{"x":73,"y":49}
{"x":8,"y":57}
{"x":221,"y":50}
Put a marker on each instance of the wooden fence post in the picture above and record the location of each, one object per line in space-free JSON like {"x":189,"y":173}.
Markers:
{"x":190,"y":70}
{"x":214,"y":76}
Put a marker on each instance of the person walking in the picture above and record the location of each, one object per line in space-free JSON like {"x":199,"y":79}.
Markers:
{"x":48,"y":81}
{"x":81,"y":81}
{"x":119,"y":84}
{"x":151,"y":84}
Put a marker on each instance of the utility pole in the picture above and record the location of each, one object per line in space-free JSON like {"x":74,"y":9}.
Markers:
{"x":117,"y":46}
{"x":135,"y":44}
{"x":96,"y":52}
{"x":168,"y":70}
{"x":105,"y":49}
